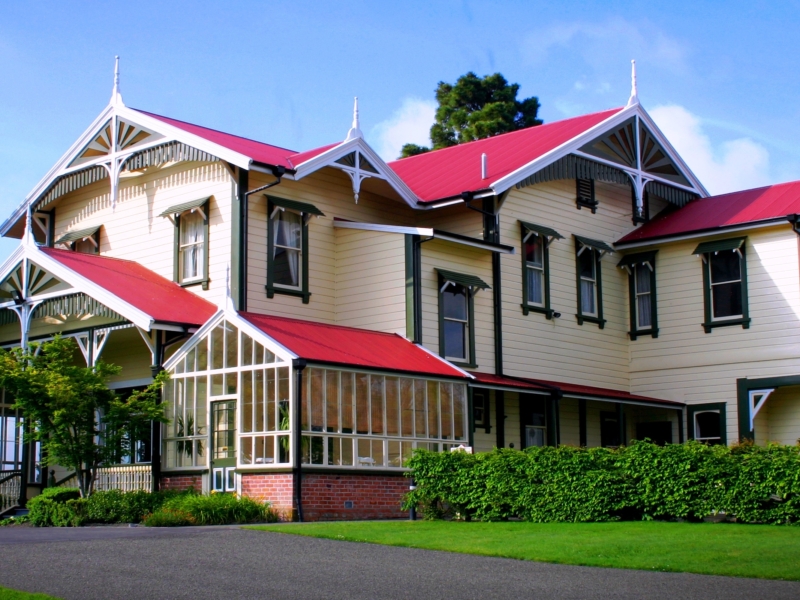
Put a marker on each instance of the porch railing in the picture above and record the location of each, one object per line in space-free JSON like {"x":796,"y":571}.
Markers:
{"x":126,"y":478}
{"x":10,"y":489}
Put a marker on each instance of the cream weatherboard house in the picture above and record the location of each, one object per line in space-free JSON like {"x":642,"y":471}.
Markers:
{"x":324,"y":313}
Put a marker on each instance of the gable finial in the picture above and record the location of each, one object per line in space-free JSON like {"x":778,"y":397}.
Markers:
{"x":634,"y":99}
{"x":116,"y":96}
{"x":28,"y":239}
{"x":355,"y":130}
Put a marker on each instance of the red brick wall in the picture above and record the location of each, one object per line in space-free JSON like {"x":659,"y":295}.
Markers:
{"x":182,"y":482}
{"x":277,"y":488}
{"x":373,"y":497}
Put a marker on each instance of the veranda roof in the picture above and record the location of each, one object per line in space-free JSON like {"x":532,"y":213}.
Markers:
{"x":348,"y":346}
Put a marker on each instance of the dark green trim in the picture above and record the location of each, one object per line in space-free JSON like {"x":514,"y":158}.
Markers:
{"x":486,"y":424}
{"x":582,"y":430}
{"x":78,"y":235}
{"x":470,"y":326}
{"x":545,"y":231}
{"x":630,"y":261}
{"x":176,"y":266}
{"x":681,"y":436}
{"x":722,"y":407}
{"x":239,"y":242}
{"x":179,"y":208}
{"x":552,"y":420}
{"x":499,"y":418}
{"x":595,"y":244}
{"x":720,"y":245}
{"x":621,"y":424}
{"x":598,"y":320}
{"x":743,"y":387}
{"x":491,"y":233}
{"x":468,"y":281}
{"x":409,"y":260}
{"x":301,"y":207}
{"x":417,"y":289}
{"x":709,"y":324}
{"x":271,"y":288}
{"x":471,"y":412}
{"x":546,"y":310}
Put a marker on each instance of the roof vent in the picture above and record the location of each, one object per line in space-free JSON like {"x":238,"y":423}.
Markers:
{"x":484,"y":166}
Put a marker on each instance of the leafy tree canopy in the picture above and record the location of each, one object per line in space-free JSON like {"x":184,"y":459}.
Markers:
{"x":70,"y":410}
{"x":476,"y":108}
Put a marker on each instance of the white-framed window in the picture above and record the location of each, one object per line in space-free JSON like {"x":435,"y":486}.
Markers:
{"x":726,"y":285}
{"x":707,"y":426}
{"x":535,"y":269}
{"x":357,"y":419}
{"x":642,"y":282}
{"x":286,"y":260}
{"x":192,"y":227}
{"x":587,"y":267}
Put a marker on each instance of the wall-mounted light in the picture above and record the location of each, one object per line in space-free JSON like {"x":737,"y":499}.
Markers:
{"x":556,"y":314}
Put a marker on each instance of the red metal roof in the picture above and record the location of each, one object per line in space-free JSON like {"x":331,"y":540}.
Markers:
{"x":164,"y":300}
{"x":335,"y":344}
{"x":568,"y":389}
{"x":719,"y":212}
{"x":301,"y":157}
{"x":257,"y":151}
{"x":448,"y":172}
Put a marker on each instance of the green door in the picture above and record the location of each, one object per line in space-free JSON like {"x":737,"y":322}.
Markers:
{"x":223,"y":446}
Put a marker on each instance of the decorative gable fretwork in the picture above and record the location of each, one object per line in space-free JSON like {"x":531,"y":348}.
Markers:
{"x":29,"y":279}
{"x":127,"y":136}
{"x":356,"y":165}
{"x":620,"y":146}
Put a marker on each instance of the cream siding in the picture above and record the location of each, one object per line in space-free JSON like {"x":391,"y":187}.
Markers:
{"x":560,"y":349}
{"x":453,"y":219}
{"x":438,"y":254}
{"x":779,"y":418}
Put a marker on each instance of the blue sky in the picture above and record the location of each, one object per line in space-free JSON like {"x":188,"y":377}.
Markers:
{"x":721,"y":78}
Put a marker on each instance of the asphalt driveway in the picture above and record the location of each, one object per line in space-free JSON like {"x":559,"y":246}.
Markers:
{"x":110,"y":563}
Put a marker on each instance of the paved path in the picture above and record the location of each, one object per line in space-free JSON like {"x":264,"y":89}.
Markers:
{"x":110,"y":563}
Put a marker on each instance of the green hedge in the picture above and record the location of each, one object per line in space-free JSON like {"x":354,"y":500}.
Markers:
{"x":752,"y":484}
{"x":212,"y":509}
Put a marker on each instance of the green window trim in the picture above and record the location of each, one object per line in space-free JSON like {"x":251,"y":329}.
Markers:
{"x":598,"y":249}
{"x":629,"y":263}
{"x":693,"y":409}
{"x":306,"y":211}
{"x":72,"y":238}
{"x":743,"y":388}
{"x":704,"y":250}
{"x":548,"y":235}
{"x":472,"y":284}
{"x":175,"y":213}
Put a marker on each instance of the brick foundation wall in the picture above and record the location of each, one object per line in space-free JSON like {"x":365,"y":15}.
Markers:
{"x":277,"y":488}
{"x":372,"y":497}
{"x":182,"y":482}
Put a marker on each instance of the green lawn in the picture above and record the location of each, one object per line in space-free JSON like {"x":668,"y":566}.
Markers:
{"x":7,"y":594}
{"x":764,"y":551}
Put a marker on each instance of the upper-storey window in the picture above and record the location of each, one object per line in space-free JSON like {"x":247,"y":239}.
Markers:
{"x":86,"y":241}
{"x":641,"y":270}
{"x":536,"y":240}
{"x":287,"y":247}
{"x":589,"y":282}
{"x":457,"y":316}
{"x":725,"y":283}
{"x":191,"y":241}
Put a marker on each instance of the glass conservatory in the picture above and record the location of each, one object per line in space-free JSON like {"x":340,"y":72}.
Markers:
{"x":230,"y":404}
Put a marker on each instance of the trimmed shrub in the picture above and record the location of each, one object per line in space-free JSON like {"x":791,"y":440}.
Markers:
{"x":169,"y":517}
{"x":213,"y":509}
{"x":114,"y":506}
{"x":752,"y":484}
{"x":56,"y":507}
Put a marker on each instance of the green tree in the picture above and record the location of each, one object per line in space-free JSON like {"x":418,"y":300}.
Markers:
{"x":70,"y":410}
{"x":476,"y":108}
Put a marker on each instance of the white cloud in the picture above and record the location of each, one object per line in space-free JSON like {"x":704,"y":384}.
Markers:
{"x":410,"y":124}
{"x":725,"y":167}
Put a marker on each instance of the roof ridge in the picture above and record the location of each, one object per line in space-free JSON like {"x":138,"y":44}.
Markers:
{"x":241,"y":137}
{"x":507,"y":134}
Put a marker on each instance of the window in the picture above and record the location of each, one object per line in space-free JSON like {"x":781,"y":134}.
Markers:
{"x":536,"y":240}
{"x":725,"y":283}
{"x":641,"y":270}
{"x":589,"y":284}
{"x":86,"y":241}
{"x":707,"y":423}
{"x":190,"y":261}
{"x":585,"y":193}
{"x":457,"y":315}
{"x":287,"y":247}
{"x":481,"y":410}
{"x":533,"y":413}
{"x":610,"y":430}
{"x":368,"y":420}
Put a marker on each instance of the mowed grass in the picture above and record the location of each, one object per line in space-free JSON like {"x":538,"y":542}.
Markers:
{"x":763,"y":551}
{"x":7,"y":594}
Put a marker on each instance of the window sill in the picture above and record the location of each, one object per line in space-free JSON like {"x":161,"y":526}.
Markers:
{"x":744,"y":322}
{"x":203,"y":282}
{"x":643,"y":332}
{"x":527,"y":308}
{"x":601,"y":323}
{"x":271,"y":291}
{"x":463,"y":365}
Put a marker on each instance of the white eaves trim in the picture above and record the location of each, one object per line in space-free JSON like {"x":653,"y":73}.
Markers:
{"x":505,"y":183}
{"x":333,"y":154}
{"x":426,"y":231}
{"x":230,"y":315}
